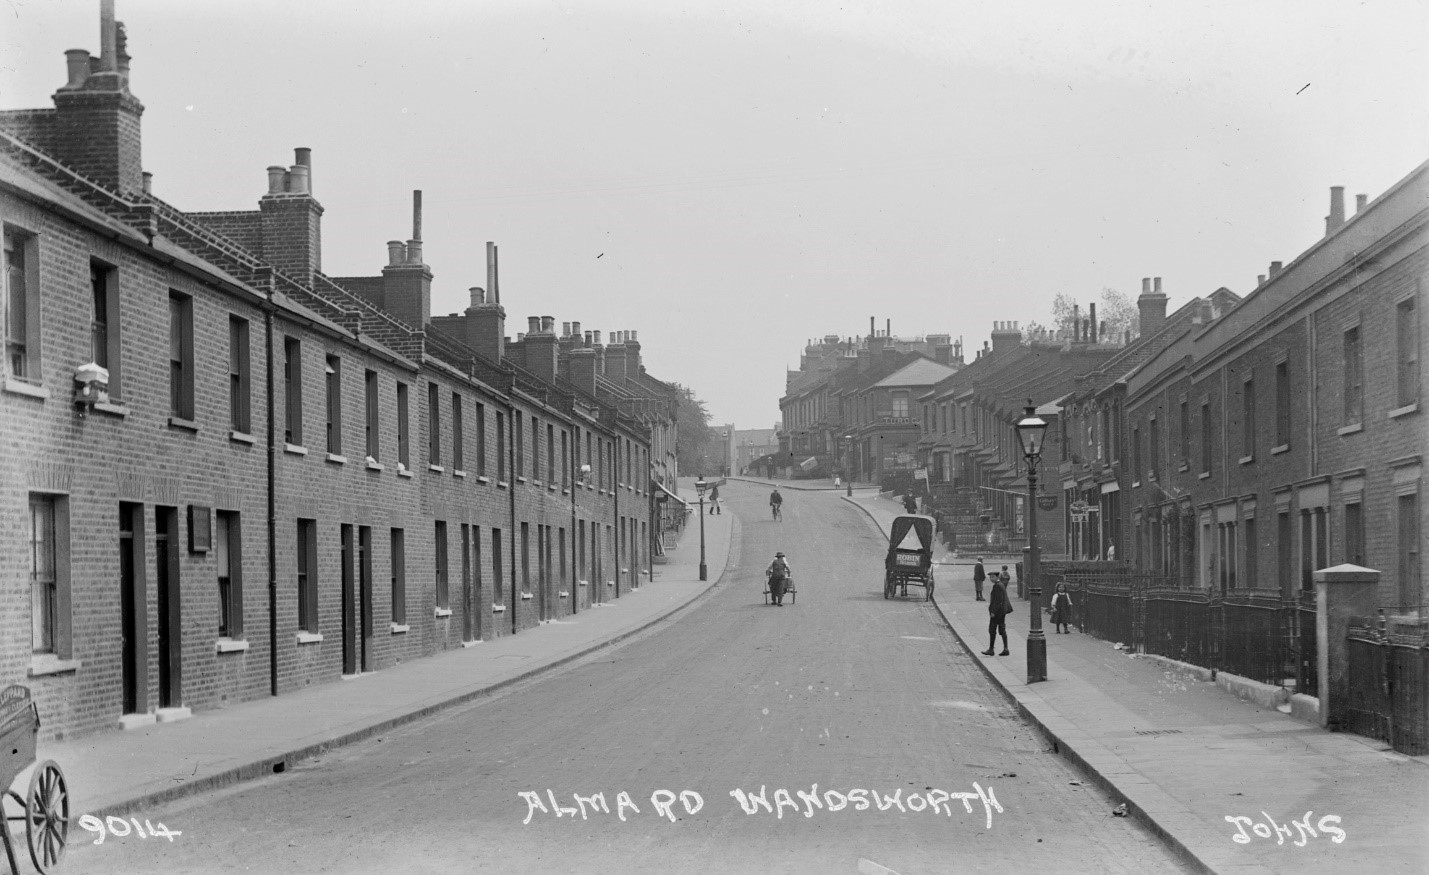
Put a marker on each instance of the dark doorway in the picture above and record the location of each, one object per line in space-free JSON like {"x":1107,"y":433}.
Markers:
{"x":133,"y":610}
{"x":349,"y":604}
{"x":364,"y":594}
{"x":170,"y":628}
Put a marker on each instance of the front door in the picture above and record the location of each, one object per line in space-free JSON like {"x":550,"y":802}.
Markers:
{"x":133,"y":613}
{"x":170,"y":628}
{"x":364,"y":594}
{"x":349,"y":604}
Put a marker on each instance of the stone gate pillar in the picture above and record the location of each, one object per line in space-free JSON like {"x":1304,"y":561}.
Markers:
{"x":1341,"y":592}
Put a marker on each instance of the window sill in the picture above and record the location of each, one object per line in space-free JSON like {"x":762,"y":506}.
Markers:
{"x":482,"y":478}
{"x":231,"y":645}
{"x":525,"y":596}
{"x":521,"y":480}
{"x":295,"y":449}
{"x":502,"y":484}
{"x":182,"y":424}
{"x":457,"y":472}
{"x":1135,"y":484}
{"x":1246,"y":460}
{"x":1204,"y":475}
{"x":118,"y":410}
{"x":1283,"y":448}
{"x":498,"y":609}
{"x":552,"y":487}
{"x":565,"y":492}
{"x":29,"y":390}
{"x":583,"y":583}
{"x":1183,"y":468}
{"x":337,"y":459}
{"x":1350,"y":429}
{"x":436,"y":469}
{"x":403,"y":471}
{"x":442,"y":612}
{"x":565,"y":595}
{"x":400,"y":628}
{"x":374,"y":465}
{"x":309,"y":637}
{"x":1404,"y":411}
{"x":42,"y":664}
{"x":242,"y":437}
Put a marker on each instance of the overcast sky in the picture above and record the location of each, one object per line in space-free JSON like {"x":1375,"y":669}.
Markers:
{"x":731,"y":178}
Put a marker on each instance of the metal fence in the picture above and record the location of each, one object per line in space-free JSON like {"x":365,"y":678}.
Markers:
{"x":1387,"y":694}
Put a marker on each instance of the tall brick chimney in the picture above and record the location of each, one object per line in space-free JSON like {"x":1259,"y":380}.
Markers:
{"x":615,"y":357}
{"x":95,"y":128}
{"x":1336,"y":218}
{"x":1005,"y":337}
{"x":541,"y":348}
{"x":485,"y":318}
{"x":291,"y":220}
{"x":1152,"y":304}
{"x":407,"y":283}
{"x":632,"y":356}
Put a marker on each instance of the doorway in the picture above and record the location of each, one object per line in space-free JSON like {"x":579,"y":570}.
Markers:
{"x":170,"y":629}
{"x":133,"y":611}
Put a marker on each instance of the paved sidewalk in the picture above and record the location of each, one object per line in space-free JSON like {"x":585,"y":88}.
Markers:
{"x":1185,"y":756}
{"x":115,"y":772}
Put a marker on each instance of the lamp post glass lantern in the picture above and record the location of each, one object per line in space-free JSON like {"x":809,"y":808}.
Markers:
{"x":700,"y":487}
{"x":1031,"y":429}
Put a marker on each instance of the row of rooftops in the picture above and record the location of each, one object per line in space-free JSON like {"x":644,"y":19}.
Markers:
{"x":82,"y":159}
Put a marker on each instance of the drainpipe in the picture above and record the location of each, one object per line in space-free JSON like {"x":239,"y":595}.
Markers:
{"x":268,"y":309}
{"x":515,"y":601}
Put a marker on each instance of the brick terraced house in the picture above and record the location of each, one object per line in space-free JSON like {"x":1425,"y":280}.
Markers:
{"x":228,"y":475}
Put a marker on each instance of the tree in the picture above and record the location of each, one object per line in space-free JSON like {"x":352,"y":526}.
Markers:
{"x":694,"y":430}
{"x":1115,"y":311}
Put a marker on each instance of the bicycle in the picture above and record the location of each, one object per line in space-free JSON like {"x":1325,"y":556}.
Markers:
{"x":776,"y":512}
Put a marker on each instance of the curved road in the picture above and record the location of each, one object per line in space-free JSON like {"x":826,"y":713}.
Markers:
{"x":842,"y":689}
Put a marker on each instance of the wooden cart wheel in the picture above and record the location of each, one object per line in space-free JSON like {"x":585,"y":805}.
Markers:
{"x":47,"y":816}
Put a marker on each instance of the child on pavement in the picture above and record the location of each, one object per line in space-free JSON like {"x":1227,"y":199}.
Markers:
{"x":1062,"y":609}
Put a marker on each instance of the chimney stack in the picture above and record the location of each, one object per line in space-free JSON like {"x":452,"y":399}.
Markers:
{"x":485,"y":318}
{"x":1005,"y":337}
{"x":1152,"y":306}
{"x":1336,"y":218}
{"x":1092,"y":323}
{"x":542,"y":348}
{"x":291,"y":220}
{"x":1275,"y":268}
{"x":1360,"y":201}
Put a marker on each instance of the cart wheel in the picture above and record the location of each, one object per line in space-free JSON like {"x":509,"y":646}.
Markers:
{"x":47,"y":816}
{"x":888,"y":588}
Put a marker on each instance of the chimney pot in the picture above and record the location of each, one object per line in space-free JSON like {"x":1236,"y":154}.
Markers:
{"x":548,"y":324}
{"x":108,"y":37}
{"x":597,"y":337}
{"x":565,"y":329}
{"x":414,"y":252}
{"x":1156,"y":285}
{"x":303,"y":156}
{"x":77,"y":68}
{"x":1260,"y":279}
{"x":478,"y":296}
{"x":298,"y":180}
{"x":576,"y":329}
{"x":533,"y":324}
{"x":632,"y":336}
{"x":1360,"y":200}
{"x":1275,"y":268}
{"x":275,"y":179}
{"x":396,"y":252}
{"x":1337,"y":209}
{"x":148,"y":182}
{"x":1146,"y":285}
{"x":588,"y":338}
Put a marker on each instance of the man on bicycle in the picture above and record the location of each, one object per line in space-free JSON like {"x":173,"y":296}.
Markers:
{"x":776,"y":503}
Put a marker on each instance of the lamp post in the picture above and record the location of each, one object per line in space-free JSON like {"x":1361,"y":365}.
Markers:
{"x":848,"y":464}
{"x":700,"y":487}
{"x":1030,"y":430}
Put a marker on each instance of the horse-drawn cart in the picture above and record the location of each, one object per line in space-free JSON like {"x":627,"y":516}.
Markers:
{"x":910,"y":556}
{"x":46,"y":805}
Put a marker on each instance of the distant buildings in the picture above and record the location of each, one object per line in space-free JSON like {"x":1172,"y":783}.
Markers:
{"x":229,"y":475}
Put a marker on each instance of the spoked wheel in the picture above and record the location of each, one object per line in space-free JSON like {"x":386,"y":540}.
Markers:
{"x":47,"y":816}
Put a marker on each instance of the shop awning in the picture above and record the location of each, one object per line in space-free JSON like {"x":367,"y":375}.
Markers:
{"x":660,"y":486}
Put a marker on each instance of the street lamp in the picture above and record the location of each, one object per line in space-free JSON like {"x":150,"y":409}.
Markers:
{"x":848,"y":464}
{"x":700,"y":487}
{"x":1031,"y":428}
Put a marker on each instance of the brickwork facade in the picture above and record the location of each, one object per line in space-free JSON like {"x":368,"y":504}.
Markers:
{"x":426,"y":493}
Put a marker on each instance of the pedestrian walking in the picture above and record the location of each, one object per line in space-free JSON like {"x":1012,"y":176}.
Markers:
{"x":1061,"y":608}
{"x":979,"y":575}
{"x":714,"y":501}
{"x":998,"y":607}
